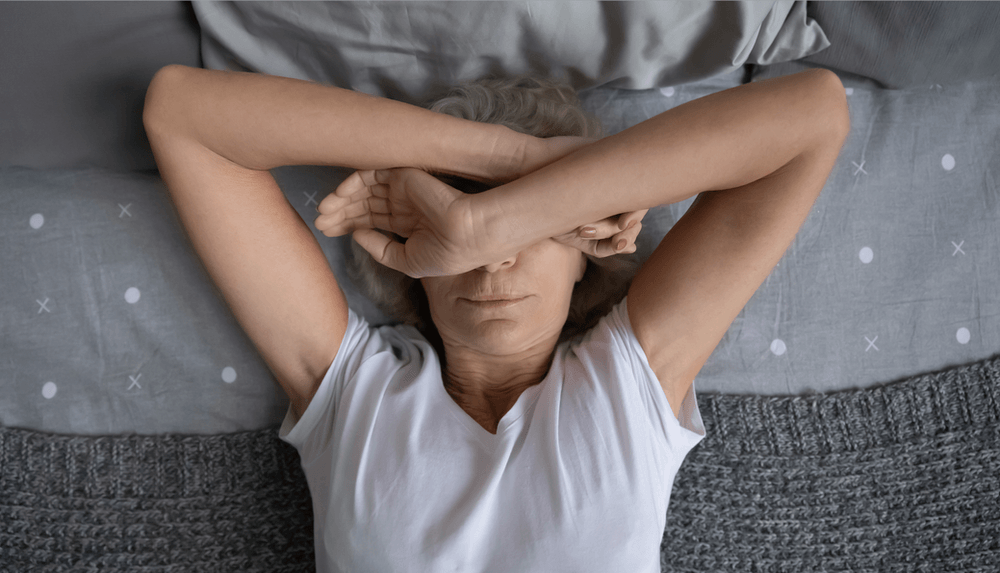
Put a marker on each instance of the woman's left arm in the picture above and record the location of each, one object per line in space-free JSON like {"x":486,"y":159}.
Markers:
{"x":261,"y":122}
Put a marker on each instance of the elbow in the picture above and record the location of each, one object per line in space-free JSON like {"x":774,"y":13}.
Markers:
{"x":835,"y":111}
{"x":155,"y":107}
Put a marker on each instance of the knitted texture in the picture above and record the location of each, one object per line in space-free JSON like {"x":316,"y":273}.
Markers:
{"x":902,"y":477}
{"x":164,"y":504}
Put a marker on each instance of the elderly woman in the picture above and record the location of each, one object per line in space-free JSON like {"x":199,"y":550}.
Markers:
{"x":494,"y":429}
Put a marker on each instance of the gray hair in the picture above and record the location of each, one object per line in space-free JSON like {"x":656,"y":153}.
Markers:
{"x":534,"y":106}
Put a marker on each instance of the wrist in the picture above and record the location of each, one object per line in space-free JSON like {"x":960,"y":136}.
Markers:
{"x":506,"y":221}
{"x":485,"y":152}
{"x":495,"y":220}
{"x":510,"y":154}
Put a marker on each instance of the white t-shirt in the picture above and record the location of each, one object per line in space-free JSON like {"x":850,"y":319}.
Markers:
{"x":577,"y":477}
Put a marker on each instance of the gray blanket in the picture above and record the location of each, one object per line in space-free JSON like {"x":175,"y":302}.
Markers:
{"x":900,"y":477}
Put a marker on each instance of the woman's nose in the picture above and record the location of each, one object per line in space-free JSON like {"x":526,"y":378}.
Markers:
{"x":494,"y":267}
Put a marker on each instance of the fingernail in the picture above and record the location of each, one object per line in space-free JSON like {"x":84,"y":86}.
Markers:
{"x":621,"y":245}
{"x":630,"y":225}
{"x":588,"y":232}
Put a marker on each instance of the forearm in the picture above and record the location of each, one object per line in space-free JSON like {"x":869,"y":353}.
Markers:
{"x":722,"y":141}
{"x":262,"y":122}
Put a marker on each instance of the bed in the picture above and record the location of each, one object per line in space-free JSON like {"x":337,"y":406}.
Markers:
{"x":852,"y":409}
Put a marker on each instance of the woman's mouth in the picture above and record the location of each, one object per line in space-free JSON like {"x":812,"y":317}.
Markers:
{"x":493,"y":302}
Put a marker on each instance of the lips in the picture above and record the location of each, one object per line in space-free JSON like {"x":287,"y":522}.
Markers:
{"x":493,"y":302}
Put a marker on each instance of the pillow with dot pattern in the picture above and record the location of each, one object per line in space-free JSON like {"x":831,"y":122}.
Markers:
{"x":110,"y":324}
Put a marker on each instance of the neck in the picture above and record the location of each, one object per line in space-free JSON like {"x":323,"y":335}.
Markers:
{"x":488,"y":385}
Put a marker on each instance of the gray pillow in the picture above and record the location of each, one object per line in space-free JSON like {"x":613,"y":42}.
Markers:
{"x":109,"y":323}
{"x":73,"y":77}
{"x":411,"y":51}
{"x":907,"y":44}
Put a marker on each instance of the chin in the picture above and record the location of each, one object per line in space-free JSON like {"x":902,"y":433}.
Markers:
{"x":503,"y":337}
{"x":500,"y":337}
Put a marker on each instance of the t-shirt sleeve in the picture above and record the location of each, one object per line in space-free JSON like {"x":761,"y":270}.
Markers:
{"x":680,"y":434}
{"x":311,"y":434}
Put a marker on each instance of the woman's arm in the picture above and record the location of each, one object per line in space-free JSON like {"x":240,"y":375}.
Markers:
{"x":757,"y":156}
{"x":721,"y":141}
{"x":261,"y":122}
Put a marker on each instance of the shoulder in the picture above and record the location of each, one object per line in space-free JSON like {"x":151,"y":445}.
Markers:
{"x":613,"y":325}
{"x":397,"y":342}
{"x":611,"y":357}
{"x":610,"y":348}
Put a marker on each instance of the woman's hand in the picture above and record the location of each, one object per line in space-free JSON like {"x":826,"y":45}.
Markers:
{"x":438,"y":222}
{"x":612,"y":236}
{"x":442,"y":231}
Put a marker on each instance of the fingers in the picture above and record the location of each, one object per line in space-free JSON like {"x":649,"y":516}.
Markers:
{"x":358,"y":186}
{"x":374,"y":213}
{"x":383,"y":249}
{"x":606,"y":228}
{"x":611,"y":236}
{"x":351,"y":190}
{"x":625,"y":220}
{"x":357,"y":203}
{"x":339,"y":217}
{"x":600,"y":230}
{"x":621,"y":243}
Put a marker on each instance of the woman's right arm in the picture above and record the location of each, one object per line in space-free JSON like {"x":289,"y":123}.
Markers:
{"x":216,"y":135}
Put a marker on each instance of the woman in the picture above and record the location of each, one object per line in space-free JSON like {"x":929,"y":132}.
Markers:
{"x":505,"y":448}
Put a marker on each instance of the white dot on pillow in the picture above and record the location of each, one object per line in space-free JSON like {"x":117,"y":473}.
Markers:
{"x":778,"y":347}
{"x":668,"y":91}
{"x":849,"y":91}
{"x":948,"y":162}
{"x":132,"y":295}
{"x":229,"y":375}
{"x":866,"y":255}
{"x":963,"y":335}
{"x":36,"y":221}
{"x":49,"y":390}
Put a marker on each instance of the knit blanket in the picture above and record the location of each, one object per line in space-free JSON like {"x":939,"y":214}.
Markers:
{"x":901,"y":477}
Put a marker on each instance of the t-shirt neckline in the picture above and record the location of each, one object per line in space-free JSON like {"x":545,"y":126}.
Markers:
{"x":512,"y":418}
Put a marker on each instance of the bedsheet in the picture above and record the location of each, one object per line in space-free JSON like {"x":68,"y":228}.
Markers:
{"x":896,"y":271}
{"x":109,"y":324}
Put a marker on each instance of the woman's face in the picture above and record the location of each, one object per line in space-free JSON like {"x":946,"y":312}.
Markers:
{"x":534,"y":288}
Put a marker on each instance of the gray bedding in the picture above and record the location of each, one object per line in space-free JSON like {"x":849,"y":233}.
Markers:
{"x":896,"y":270}
{"x":109,"y":324}
{"x":905,"y":477}
{"x":411,"y":51}
{"x":85,"y":353}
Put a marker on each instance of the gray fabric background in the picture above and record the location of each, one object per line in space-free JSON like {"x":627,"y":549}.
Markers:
{"x":916,"y":184}
{"x":910,"y":44}
{"x":80,"y":352}
{"x":73,"y":77}
{"x":412,"y":51}
{"x":159,"y":364}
